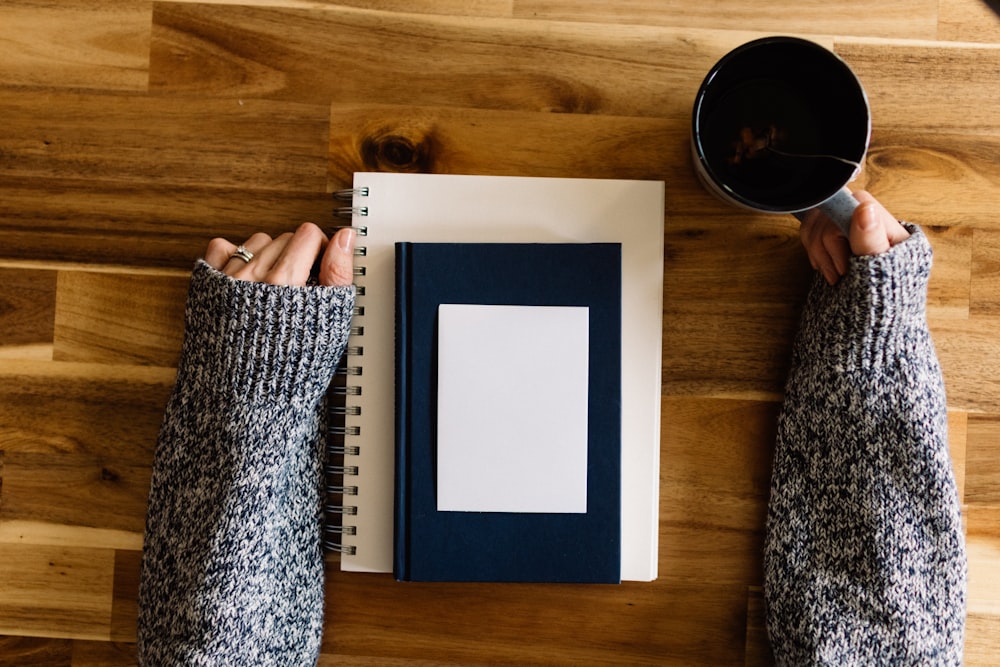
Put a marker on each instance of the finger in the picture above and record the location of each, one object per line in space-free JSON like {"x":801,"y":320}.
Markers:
{"x":839,"y":252}
{"x":218,"y":253}
{"x":895,"y":231}
{"x":821,"y":258}
{"x":825,"y":246}
{"x":264,"y":258}
{"x":238,"y":267}
{"x":869,"y":235}
{"x":294,"y":263}
{"x":826,"y":266}
{"x":337,"y":266}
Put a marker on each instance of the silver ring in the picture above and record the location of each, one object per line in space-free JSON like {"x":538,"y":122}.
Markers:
{"x":243,"y":254}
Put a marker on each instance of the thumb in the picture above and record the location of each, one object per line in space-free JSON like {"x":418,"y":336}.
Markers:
{"x":337,"y":267}
{"x":868,"y":235}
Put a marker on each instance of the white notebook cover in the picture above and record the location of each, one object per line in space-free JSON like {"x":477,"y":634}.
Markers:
{"x":507,"y":209}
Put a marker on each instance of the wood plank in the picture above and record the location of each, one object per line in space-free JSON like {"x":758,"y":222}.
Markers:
{"x":142,"y":181}
{"x":958,"y":447}
{"x":77,"y":491}
{"x":77,"y":442}
{"x":967,"y":351}
{"x":44,"y":531}
{"x":105,"y":411}
{"x":405,"y":138}
{"x":984,"y":567}
{"x":897,"y":18}
{"x":921,"y":87}
{"x":934,"y":178}
{"x":374,"y":616}
{"x":55,"y":591}
{"x":965,"y":21}
{"x":125,"y":605}
{"x":479,"y":8}
{"x":735,"y":286}
{"x":951,"y":272}
{"x":27,"y":307}
{"x":75,"y":44}
{"x":119,"y":318}
{"x":982,"y":477}
{"x":103,"y":654}
{"x":983,"y":522}
{"x":430,"y":60}
{"x":35,"y":651}
{"x":715,"y":484}
{"x":985,"y":287}
{"x":982,"y":640}
{"x":120,"y":224}
{"x":150,"y":140}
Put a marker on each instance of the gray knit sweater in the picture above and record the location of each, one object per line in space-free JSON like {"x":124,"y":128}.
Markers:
{"x":232,"y":571}
{"x":864,"y":560}
{"x":865,"y":557}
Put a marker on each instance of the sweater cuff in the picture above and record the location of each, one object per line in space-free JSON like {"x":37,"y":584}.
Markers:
{"x":876,"y":308}
{"x":258,"y":340}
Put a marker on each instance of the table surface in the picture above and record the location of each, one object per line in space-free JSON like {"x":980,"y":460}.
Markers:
{"x":134,"y":131}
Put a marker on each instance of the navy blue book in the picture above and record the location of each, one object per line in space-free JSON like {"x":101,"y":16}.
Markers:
{"x":525,"y":530}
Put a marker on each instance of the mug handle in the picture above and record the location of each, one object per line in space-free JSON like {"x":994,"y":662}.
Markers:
{"x":839,"y":208}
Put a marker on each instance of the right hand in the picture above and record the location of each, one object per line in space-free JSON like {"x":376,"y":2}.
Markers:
{"x":873,"y":231}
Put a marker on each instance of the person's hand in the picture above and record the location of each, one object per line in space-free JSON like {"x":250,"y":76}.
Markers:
{"x":287,"y":259}
{"x":873,"y":231}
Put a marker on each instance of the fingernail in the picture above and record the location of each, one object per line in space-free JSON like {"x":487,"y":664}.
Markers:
{"x":867,"y":216}
{"x":345,"y":239}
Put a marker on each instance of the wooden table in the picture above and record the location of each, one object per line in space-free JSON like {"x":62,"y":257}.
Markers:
{"x":133,"y":131}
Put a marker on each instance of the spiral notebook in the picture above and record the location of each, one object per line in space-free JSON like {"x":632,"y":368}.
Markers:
{"x":388,"y":208}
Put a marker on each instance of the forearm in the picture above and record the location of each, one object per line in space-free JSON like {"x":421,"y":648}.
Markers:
{"x":864,"y":553}
{"x":232,"y":569}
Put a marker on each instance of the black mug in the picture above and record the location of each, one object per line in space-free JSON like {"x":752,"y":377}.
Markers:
{"x":781,"y":125}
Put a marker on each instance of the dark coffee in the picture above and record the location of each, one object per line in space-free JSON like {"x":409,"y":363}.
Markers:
{"x":780,"y":124}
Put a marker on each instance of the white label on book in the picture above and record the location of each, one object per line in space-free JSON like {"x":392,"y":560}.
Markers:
{"x":512,"y":408}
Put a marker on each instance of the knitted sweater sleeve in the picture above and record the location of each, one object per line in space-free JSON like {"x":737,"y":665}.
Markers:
{"x":232,"y":570}
{"x":864,"y":557}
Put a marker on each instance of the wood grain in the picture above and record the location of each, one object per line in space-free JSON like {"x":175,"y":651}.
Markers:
{"x":924,"y":77}
{"x":27,"y":307}
{"x":983,"y":455}
{"x":984,"y":290}
{"x":715,"y":481}
{"x":143,"y":181}
{"x":119,"y":318}
{"x":466,"y":141}
{"x":440,"y":60}
{"x":134,"y":131}
{"x":35,"y":651}
{"x":581,"y":624}
{"x":75,"y":44}
{"x":56,"y":591}
{"x":960,"y":21}
{"x":898,"y":18}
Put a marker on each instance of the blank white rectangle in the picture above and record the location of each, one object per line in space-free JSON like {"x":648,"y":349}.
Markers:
{"x":512,"y":408}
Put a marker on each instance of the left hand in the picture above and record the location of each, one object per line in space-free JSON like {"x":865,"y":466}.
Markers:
{"x":289,"y":258}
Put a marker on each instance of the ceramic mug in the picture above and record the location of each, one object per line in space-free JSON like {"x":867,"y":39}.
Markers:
{"x":781,"y":125}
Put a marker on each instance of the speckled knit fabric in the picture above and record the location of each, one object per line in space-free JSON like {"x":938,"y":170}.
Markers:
{"x":232,"y":570}
{"x":865,"y":558}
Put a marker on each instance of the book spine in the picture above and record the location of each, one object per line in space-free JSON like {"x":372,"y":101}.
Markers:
{"x":401,"y":554}
{"x":343,"y":415}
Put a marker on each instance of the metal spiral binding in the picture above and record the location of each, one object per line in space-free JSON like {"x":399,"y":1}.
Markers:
{"x":339,"y":491}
